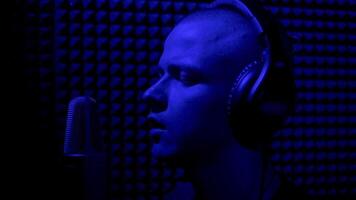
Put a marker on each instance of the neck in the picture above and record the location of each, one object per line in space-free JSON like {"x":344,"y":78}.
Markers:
{"x":233,"y":172}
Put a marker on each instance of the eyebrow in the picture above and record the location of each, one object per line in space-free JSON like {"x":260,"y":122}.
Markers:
{"x":190,"y":68}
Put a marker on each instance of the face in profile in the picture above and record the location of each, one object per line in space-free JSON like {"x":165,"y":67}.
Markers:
{"x":201,"y":57}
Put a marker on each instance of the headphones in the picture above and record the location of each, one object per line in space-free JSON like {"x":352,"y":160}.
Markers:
{"x":262,"y":94}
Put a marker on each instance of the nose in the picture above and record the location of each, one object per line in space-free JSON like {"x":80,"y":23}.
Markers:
{"x":156,"y":97}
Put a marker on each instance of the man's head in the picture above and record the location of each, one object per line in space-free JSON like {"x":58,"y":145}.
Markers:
{"x":201,"y":58}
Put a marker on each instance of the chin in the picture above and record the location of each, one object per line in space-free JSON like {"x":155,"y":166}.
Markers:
{"x":162,"y":152}
{"x":170,"y":155}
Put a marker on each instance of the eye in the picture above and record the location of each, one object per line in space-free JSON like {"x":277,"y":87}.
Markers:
{"x":187,"y":78}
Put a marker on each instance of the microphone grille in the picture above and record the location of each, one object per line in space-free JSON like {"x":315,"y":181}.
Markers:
{"x":80,"y":124}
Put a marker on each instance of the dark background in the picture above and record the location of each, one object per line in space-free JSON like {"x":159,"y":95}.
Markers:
{"x":57,"y":50}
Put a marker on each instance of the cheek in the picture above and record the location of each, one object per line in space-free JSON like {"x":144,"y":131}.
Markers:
{"x":197,"y":111}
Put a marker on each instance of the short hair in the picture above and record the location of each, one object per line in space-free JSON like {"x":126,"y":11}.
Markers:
{"x":281,"y":43}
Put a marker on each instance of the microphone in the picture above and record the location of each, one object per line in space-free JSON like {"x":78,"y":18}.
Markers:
{"x":81,"y":131}
{"x":86,"y":163}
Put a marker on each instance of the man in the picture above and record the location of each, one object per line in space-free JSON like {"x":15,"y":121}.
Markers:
{"x":202,"y":58}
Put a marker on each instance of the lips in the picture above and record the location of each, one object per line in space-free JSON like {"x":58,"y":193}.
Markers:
{"x":157,"y":128}
{"x":156,"y":134}
{"x":155,"y":123}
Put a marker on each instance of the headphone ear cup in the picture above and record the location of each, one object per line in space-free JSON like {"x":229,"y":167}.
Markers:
{"x":245,"y":98}
{"x":242,"y":110}
{"x":254,"y":119}
{"x":241,"y":88}
{"x":277,"y":101}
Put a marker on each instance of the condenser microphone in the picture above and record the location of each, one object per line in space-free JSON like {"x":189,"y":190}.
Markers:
{"x":81,"y":135}
{"x":85,"y":159}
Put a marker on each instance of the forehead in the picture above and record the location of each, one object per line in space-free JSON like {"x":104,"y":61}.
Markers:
{"x":208,"y":43}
